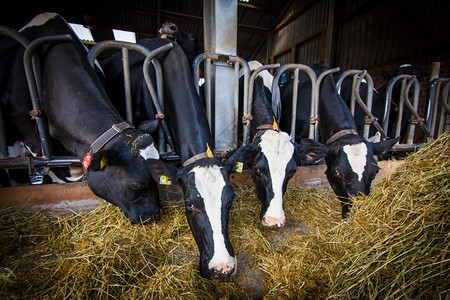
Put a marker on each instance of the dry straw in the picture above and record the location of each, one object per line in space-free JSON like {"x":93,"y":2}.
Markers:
{"x":395,"y":244}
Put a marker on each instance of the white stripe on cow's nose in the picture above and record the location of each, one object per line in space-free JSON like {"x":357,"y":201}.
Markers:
{"x":278,"y":150}
{"x":210,"y":184}
{"x":357,"y":158}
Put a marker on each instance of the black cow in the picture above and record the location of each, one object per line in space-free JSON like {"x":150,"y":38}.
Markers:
{"x":208,"y":194}
{"x":187,"y":41}
{"x":379,"y":100}
{"x":351,"y":166}
{"x":271,"y":155}
{"x":121,"y":162}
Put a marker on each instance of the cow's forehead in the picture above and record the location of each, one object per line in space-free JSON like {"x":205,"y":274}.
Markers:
{"x":208,"y":178}
{"x":277,"y":143}
{"x":357,"y":158}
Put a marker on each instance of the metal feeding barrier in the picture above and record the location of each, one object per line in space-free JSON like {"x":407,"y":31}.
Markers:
{"x":315,"y":87}
{"x":438,"y":111}
{"x":32,"y":72}
{"x":358,"y":77}
{"x":231,"y":60}
{"x":157,"y":95}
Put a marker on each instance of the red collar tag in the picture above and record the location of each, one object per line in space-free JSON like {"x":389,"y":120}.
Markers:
{"x":87,"y":161}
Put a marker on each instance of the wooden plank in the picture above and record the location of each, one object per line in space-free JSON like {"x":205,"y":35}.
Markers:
{"x":43,"y":196}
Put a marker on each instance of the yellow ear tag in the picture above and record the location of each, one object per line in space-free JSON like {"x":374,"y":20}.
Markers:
{"x":208,"y":151}
{"x":103,"y":162}
{"x":275,"y":125}
{"x":165,"y":180}
{"x":239,"y":166}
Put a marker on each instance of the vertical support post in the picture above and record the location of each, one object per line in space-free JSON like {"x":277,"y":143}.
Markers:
{"x":220,"y":26}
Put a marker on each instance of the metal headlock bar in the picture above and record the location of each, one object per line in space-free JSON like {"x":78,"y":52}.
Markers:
{"x":32,"y":72}
{"x":231,"y":60}
{"x":247,"y":105}
{"x":407,"y":82}
{"x":438,"y":95}
{"x":315,"y":93}
{"x":358,"y":77}
{"x":157,"y":96}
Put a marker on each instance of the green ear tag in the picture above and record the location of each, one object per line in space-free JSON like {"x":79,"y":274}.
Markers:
{"x":165,"y":180}
{"x":239,"y":166}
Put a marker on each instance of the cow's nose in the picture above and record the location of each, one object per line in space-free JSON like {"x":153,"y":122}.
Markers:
{"x":223,"y":271}
{"x":271,"y":222}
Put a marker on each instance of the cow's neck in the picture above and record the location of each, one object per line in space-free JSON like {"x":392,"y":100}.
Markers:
{"x":261,"y":108}
{"x":333,"y":113}
{"x":184,"y":110}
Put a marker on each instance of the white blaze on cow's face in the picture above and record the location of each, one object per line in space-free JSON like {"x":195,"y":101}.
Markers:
{"x":210,"y":184}
{"x":357,"y":158}
{"x":149,"y":152}
{"x":278,"y":150}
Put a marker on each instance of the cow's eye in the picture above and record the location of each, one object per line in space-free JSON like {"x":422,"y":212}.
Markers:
{"x":189,"y":205}
{"x":337,"y":173}
{"x":256,"y":170}
{"x":135,"y":185}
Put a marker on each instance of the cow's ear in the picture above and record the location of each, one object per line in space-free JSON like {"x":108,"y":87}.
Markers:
{"x":309,"y":151}
{"x":104,"y":158}
{"x":149,"y":126}
{"x":163,"y":173}
{"x":381,"y":148}
{"x":240,"y":159}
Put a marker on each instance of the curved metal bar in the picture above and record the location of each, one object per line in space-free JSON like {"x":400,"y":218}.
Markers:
{"x":33,"y":89}
{"x":367,"y":107}
{"x":276,"y":98}
{"x":413,"y":109}
{"x":104,"y":45}
{"x":445,"y":102}
{"x":317,"y":94}
{"x":239,"y":62}
{"x":152,"y":91}
{"x":207,"y":91}
{"x":248,"y":104}
{"x":388,"y":100}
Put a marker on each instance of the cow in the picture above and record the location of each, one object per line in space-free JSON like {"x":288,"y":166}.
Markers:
{"x":351,"y":166}
{"x":121,"y":163}
{"x":208,"y":194}
{"x":187,"y":41}
{"x":379,"y":100}
{"x":271,"y":155}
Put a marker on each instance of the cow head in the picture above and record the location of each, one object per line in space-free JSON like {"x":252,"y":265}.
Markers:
{"x":125,"y":173}
{"x":351,"y":166}
{"x":208,"y":197}
{"x":406,"y":69}
{"x":187,"y":41}
{"x":272,"y":157}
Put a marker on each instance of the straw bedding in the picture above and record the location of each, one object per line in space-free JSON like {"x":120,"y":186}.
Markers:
{"x":395,"y":244}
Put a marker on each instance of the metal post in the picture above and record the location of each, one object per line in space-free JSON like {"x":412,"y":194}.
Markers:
{"x":220,"y":24}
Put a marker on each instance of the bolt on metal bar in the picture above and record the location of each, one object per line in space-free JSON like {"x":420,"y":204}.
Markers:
{"x":33,"y":88}
{"x":248,"y":101}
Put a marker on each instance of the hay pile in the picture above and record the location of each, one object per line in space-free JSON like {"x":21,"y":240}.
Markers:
{"x":395,"y":244}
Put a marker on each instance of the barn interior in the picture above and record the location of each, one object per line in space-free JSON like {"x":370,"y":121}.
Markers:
{"x":358,"y":34}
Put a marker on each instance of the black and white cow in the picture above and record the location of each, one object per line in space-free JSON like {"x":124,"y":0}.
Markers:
{"x":350,"y":161}
{"x":187,"y":41}
{"x":271,"y":155}
{"x":121,"y":162}
{"x":379,"y":100}
{"x":208,"y":194}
